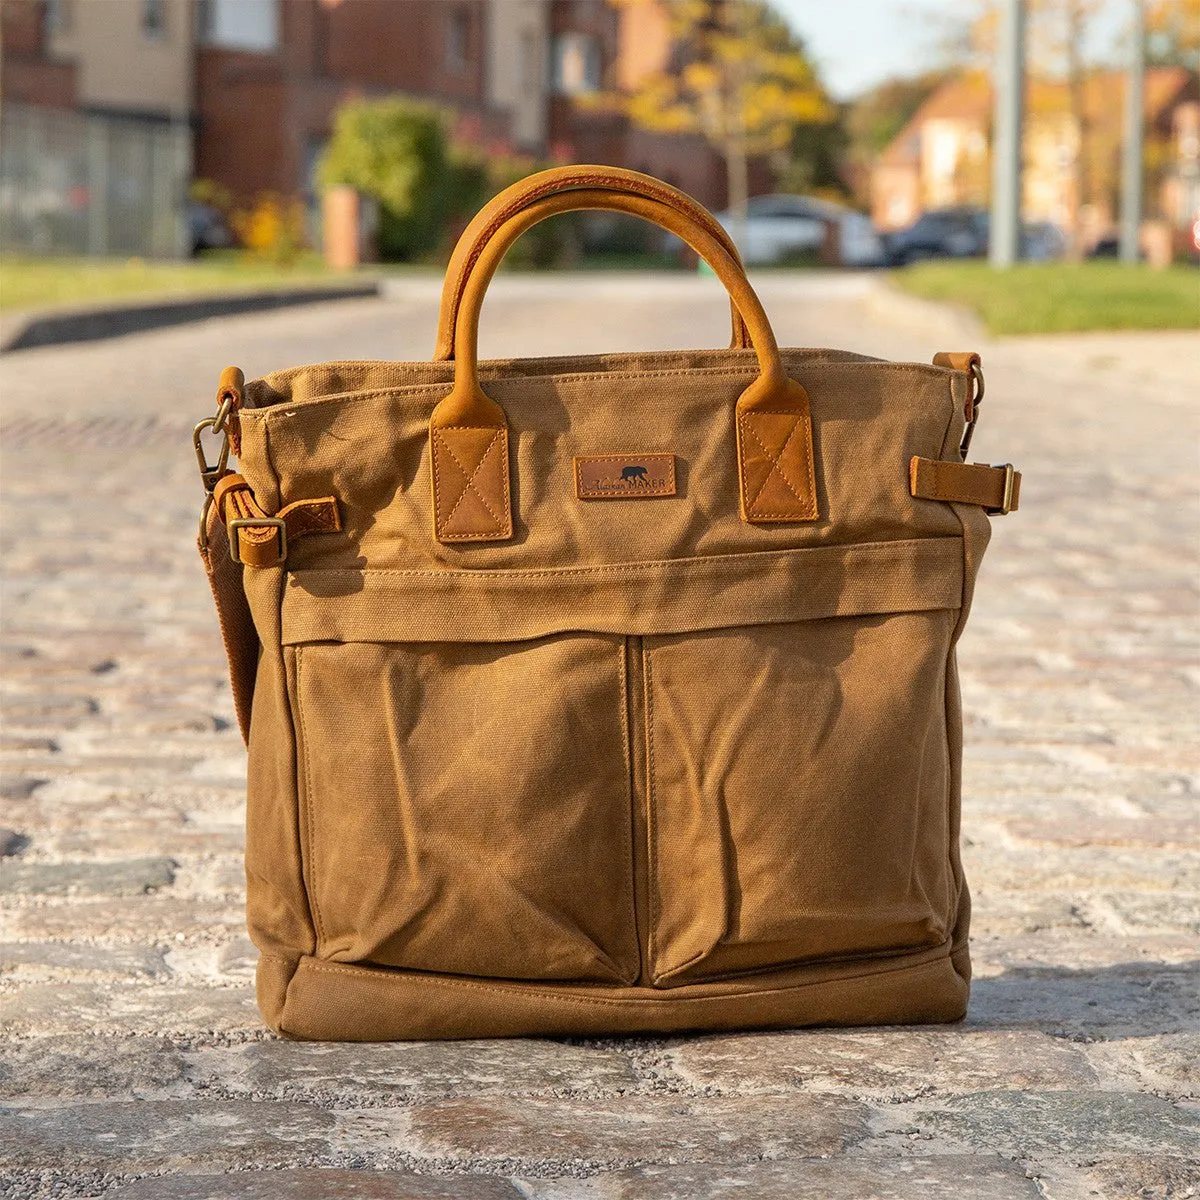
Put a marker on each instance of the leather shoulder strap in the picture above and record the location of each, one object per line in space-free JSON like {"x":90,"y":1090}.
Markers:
{"x":238,"y":634}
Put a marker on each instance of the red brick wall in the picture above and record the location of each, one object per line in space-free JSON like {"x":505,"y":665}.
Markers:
{"x":258,"y":114}
{"x":27,"y":76}
{"x":406,"y":46}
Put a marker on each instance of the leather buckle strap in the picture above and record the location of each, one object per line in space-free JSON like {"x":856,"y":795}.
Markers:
{"x":235,"y":537}
{"x":259,"y":539}
{"x":996,"y":489}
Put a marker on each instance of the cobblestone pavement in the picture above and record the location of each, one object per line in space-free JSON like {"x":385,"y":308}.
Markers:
{"x":133,"y":1061}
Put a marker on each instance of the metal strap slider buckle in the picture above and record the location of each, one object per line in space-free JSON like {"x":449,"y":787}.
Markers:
{"x":256,"y":523}
{"x":1009,"y":485}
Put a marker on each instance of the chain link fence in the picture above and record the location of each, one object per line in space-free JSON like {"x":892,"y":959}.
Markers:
{"x":75,"y":183}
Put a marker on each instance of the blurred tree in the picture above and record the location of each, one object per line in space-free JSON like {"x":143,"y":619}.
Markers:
{"x":427,"y":184}
{"x":1073,"y":18}
{"x":875,"y":117}
{"x":399,"y":152}
{"x":871,"y":121}
{"x":1173,"y":33}
{"x":740,"y":77}
{"x":815,"y":160}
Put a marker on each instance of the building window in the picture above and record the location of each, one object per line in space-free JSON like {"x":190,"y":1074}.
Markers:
{"x":458,"y":40}
{"x":239,"y":24}
{"x":154,"y":19}
{"x":576,"y":64}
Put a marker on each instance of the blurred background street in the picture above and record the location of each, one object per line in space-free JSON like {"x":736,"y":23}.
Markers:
{"x":186,"y":184}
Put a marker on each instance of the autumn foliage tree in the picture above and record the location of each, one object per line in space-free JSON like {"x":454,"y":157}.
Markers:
{"x":738,"y":76}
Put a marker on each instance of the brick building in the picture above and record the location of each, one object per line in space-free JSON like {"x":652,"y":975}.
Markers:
{"x":941,"y":156}
{"x":254,"y":84}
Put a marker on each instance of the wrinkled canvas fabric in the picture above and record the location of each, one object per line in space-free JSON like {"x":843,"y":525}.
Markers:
{"x":642,"y":765}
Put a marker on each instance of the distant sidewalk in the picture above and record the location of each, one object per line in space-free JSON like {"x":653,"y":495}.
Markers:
{"x":56,"y":326}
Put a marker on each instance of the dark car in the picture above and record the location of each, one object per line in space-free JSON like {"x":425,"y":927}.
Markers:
{"x":207,"y":228}
{"x":941,"y":233}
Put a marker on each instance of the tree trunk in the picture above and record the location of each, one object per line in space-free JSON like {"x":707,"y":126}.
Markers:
{"x":1079,"y":118}
{"x":737,"y":166}
{"x":737,"y":172}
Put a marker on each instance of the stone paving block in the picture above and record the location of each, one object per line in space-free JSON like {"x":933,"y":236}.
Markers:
{"x":18,"y":743}
{"x":942,"y":1177}
{"x":369,"y":1074}
{"x":318,"y":1183}
{"x":634,"y":1129}
{"x":1129,"y":1000}
{"x":239,"y":957}
{"x":18,"y":787}
{"x":1047,"y":1125}
{"x":1147,"y":1177}
{"x":895,"y":1063}
{"x":11,"y":842}
{"x":147,"y":837}
{"x":996,"y":912}
{"x":35,"y":712}
{"x":1084,"y":947}
{"x":68,"y":956}
{"x":83,"y":1066}
{"x":1177,"y":834}
{"x":1149,"y":910}
{"x":137,"y":918}
{"x":144,"y":1134}
{"x":1167,"y":1065}
{"x":97,"y":878}
{"x":1087,"y":869}
{"x":127,"y":1008}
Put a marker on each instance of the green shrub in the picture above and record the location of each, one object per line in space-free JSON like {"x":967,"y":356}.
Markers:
{"x":395,"y":150}
{"x":427,"y":186}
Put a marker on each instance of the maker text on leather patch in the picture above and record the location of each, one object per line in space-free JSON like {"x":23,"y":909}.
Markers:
{"x":624,"y":476}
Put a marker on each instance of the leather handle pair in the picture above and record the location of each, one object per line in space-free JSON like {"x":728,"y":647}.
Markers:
{"x":469,"y":430}
{"x":534,"y":191}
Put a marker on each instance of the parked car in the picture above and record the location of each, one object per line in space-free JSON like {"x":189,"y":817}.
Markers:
{"x":940,"y":233}
{"x":1042,"y":241}
{"x":207,"y":228}
{"x":781,"y":225}
{"x":963,"y":232}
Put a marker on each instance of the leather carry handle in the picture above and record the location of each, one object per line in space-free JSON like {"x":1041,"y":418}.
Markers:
{"x":534,"y":190}
{"x":469,"y":431}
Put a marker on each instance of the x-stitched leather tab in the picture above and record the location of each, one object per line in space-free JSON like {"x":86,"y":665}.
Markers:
{"x":776,"y":459}
{"x":471,"y":498}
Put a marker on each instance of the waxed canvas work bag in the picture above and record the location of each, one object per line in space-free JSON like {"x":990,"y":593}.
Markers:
{"x":603,"y":694}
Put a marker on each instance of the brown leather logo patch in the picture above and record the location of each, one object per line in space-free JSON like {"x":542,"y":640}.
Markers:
{"x":624,"y":476}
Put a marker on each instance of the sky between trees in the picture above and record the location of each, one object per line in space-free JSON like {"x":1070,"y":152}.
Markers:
{"x":860,"y":43}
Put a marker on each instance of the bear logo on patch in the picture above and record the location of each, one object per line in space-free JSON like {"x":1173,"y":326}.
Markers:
{"x":634,"y":475}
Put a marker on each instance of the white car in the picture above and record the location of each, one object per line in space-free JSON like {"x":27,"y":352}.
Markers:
{"x":777,"y":226}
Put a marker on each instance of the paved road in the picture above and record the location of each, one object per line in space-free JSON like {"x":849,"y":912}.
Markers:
{"x":134,"y":1061}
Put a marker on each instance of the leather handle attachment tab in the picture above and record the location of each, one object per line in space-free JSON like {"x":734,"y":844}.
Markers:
{"x":469,"y":431}
{"x":546,"y":184}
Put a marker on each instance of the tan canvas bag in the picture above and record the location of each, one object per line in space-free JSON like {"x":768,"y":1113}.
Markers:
{"x":602,"y":694}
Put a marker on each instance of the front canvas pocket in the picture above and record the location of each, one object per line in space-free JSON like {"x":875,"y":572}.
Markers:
{"x":466,"y":807}
{"x":800,"y":810}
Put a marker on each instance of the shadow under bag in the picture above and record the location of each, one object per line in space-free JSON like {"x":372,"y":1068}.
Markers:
{"x":603,"y":694}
